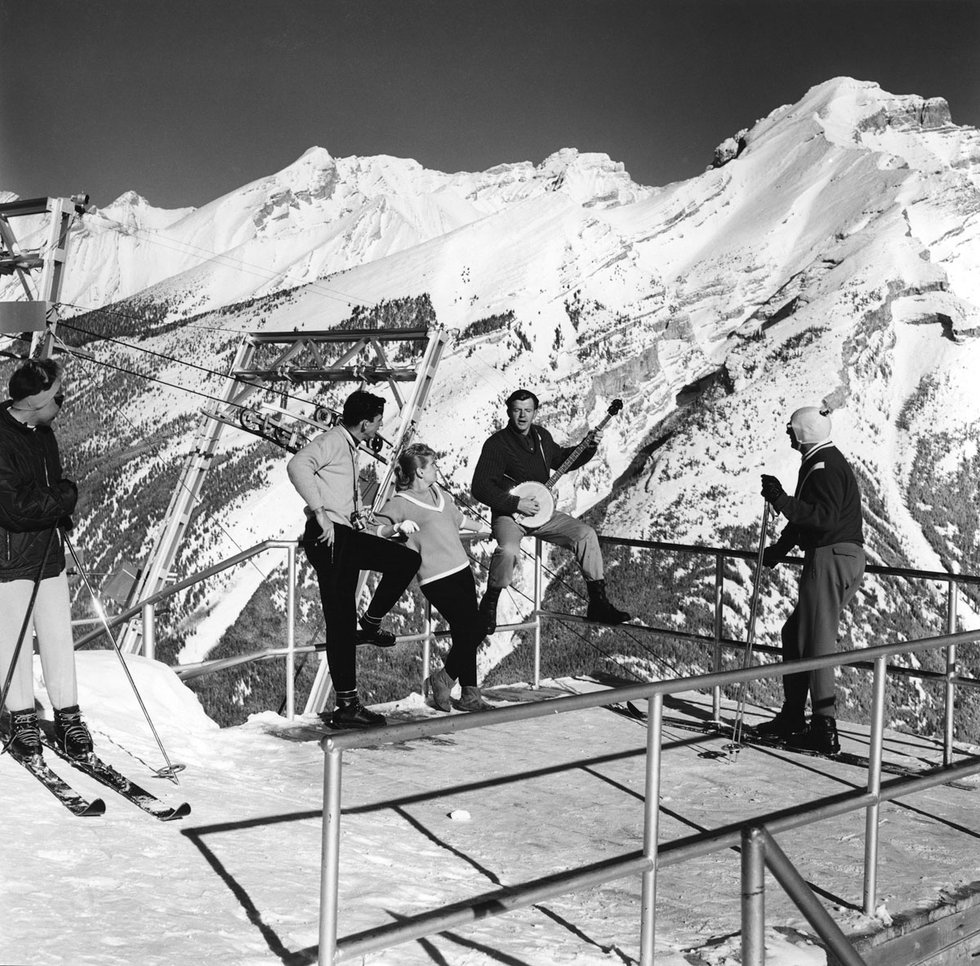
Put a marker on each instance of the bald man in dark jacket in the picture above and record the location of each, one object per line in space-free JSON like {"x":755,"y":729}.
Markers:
{"x":825,"y":521}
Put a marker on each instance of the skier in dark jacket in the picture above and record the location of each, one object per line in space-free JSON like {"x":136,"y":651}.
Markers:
{"x":825,"y":522}
{"x":35,"y":501}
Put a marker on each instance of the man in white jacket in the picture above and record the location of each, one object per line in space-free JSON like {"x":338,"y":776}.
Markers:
{"x":324,"y":473}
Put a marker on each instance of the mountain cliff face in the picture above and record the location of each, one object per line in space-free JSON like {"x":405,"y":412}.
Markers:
{"x":829,"y":254}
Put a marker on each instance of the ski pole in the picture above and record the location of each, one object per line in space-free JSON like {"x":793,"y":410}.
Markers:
{"x":170,"y":771}
{"x":750,"y":635}
{"x":23,"y":629}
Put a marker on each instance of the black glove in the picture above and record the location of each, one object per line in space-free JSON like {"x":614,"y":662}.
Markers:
{"x":772,"y":489}
{"x":66,"y":523}
{"x":770,"y":557}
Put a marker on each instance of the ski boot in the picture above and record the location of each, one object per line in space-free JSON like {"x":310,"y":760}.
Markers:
{"x":782,"y":726}
{"x":819,"y":736}
{"x":71,"y":734}
{"x":24,"y":737}
{"x":488,"y":611}
{"x":370,"y":633}
{"x":353,"y":714}
{"x":600,"y":608}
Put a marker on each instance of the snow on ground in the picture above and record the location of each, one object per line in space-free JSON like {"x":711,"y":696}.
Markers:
{"x":237,"y":881}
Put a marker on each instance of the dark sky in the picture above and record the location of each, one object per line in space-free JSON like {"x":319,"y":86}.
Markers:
{"x":183,"y":100}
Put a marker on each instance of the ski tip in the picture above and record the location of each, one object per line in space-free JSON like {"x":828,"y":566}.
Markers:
{"x":93,"y":809}
{"x":178,"y":812}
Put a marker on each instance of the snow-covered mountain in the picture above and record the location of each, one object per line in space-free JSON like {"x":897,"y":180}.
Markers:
{"x":829,"y":253}
{"x":317,"y":217}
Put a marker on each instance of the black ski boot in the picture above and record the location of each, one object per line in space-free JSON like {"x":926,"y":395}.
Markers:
{"x":488,"y":611}
{"x":370,"y":632}
{"x":71,"y":734}
{"x":353,"y":714}
{"x":600,"y":609}
{"x":819,"y":736}
{"x":24,"y":737}
{"x":785,"y":724}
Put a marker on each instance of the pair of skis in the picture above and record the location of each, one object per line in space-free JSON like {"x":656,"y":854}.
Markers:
{"x":93,"y":766}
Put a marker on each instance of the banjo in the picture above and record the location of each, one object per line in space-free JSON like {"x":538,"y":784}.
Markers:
{"x":542,"y":491}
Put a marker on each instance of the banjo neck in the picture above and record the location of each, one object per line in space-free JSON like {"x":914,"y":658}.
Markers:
{"x":616,"y":406}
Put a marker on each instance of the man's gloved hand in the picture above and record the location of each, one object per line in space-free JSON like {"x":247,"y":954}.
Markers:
{"x":770,"y":557}
{"x":406,"y":527}
{"x":772,"y":489}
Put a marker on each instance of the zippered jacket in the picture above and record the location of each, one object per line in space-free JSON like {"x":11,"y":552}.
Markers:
{"x":509,"y":458}
{"x":34,"y":498}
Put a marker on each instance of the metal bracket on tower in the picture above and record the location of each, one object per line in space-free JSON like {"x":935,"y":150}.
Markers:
{"x":37,"y":313}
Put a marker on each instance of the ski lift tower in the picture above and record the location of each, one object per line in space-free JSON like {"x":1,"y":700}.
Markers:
{"x":37,"y":313}
{"x":269,"y":364}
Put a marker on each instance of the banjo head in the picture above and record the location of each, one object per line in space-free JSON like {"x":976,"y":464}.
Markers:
{"x":546,"y":502}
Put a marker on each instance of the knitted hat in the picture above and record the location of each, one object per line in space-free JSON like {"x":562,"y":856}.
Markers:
{"x":810,"y":425}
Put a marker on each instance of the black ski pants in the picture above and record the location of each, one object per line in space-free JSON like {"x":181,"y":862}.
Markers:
{"x":454,"y":596}
{"x":337,"y":570}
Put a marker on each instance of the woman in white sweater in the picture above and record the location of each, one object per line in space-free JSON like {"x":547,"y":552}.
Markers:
{"x":424,"y":515}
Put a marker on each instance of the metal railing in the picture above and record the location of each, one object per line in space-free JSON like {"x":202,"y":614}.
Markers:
{"x":716,"y":641}
{"x":146,"y":610}
{"x":759,"y":850}
{"x":654,"y":855}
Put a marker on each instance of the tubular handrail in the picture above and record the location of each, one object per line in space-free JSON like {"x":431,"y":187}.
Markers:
{"x":134,"y":609}
{"x":431,"y":727}
{"x":194,"y":578}
{"x":717,"y":641}
{"x":938,"y":575}
{"x":760,"y":849}
{"x":654,"y":855}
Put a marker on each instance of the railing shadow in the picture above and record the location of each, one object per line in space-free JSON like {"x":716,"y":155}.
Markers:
{"x":304,"y":957}
{"x":276,"y":946}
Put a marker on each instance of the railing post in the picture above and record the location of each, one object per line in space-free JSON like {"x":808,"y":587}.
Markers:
{"x":291,"y":631}
{"x":753,"y":897}
{"x":874,"y":788}
{"x":330,"y":857}
{"x":651,"y":828}
{"x":719,"y":630}
{"x":149,"y":632}
{"x":951,"y":595}
{"x":537,"y":611}
{"x":426,"y":644}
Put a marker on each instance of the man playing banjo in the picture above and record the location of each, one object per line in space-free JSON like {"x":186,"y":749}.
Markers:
{"x":519,"y":453}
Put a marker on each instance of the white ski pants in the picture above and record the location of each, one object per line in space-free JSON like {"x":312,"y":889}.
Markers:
{"x":51,"y":623}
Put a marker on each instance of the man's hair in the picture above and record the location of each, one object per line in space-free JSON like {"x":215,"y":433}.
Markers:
{"x":361,"y":405}
{"x":519,"y":395}
{"x":34,"y":376}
